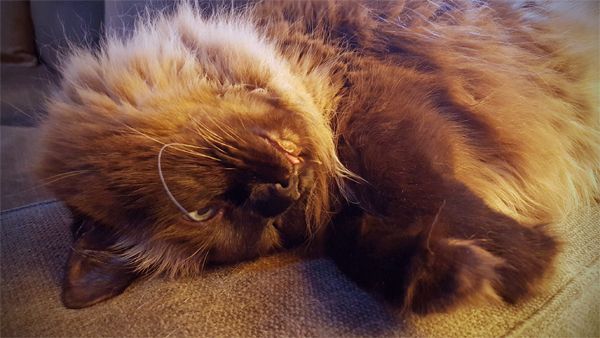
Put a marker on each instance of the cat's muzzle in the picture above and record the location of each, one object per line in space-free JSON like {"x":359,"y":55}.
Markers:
{"x":272,"y":199}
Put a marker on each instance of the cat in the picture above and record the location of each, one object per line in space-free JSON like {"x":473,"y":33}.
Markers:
{"x":425,"y":146}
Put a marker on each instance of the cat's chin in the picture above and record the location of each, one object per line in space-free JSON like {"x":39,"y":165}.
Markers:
{"x":269,"y":241}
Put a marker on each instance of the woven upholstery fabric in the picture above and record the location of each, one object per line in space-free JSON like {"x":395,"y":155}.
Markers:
{"x":19,"y":148}
{"x":281,"y":295}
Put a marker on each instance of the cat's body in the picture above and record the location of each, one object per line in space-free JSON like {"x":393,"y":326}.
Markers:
{"x":422,"y":145}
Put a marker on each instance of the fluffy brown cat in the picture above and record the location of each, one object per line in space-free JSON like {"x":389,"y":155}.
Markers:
{"x":423,"y":145}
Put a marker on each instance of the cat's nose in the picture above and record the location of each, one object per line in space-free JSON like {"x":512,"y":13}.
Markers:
{"x":291,"y":188}
{"x":272,"y":199}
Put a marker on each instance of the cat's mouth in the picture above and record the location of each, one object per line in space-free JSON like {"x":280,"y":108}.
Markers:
{"x":289,"y":149}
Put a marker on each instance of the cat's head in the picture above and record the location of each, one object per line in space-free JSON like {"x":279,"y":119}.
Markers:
{"x":174,"y":148}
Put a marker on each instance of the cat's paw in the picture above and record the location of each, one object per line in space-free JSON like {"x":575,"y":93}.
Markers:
{"x":529,"y":253}
{"x":460,"y":260}
{"x":506,"y":266}
{"x":452,"y":272}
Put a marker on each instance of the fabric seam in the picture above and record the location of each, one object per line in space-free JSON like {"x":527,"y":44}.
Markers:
{"x":36,"y":204}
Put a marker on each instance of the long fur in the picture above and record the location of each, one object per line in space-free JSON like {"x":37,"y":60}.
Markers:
{"x":198,"y":57}
{"x":548,"y":131}
{"x":522,"y":118}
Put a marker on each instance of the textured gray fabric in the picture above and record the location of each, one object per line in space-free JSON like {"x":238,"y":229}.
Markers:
{"x":275,"y":296}
{"x":19,"y":147}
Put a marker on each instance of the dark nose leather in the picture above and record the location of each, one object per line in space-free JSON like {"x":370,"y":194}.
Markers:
{"x":270,"y":200}
{"x":291,"y":189}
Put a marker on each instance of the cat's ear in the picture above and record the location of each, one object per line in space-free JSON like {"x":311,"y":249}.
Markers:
{"x":94,"y":273}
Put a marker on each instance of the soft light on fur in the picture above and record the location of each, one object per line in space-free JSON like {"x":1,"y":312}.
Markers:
{"x":401,"y":108}
{"x":539,"y":89}
{"x":133,"y":81}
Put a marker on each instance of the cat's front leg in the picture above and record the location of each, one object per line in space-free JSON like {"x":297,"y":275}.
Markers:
{"x":408,"y":267}
{"x":431,"y":262}
{"x":417,"y":235}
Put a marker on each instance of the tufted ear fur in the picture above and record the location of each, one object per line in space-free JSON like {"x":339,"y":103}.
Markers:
{"x":93,"y":273}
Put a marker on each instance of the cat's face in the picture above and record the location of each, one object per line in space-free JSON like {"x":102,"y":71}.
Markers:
{"x":240,"y":167}
{"x":241,"y":164}
{"x":194,"y":140}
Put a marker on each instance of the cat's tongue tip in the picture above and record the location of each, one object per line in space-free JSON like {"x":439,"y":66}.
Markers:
{"x":293,"y":159}
{"x":288,"y":148}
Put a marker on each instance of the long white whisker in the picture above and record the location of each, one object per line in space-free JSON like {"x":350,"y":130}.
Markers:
{"x":200,"y":248}
{"x":211,"y":141}
{"x":229,"y":132}
{"x":141,"y":133}
{"x":215,"y":135}
{"x":49,"y":181}
{"x":162,"y":178}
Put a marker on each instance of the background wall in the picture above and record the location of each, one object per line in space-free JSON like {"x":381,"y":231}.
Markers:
{"x":58,"y":22}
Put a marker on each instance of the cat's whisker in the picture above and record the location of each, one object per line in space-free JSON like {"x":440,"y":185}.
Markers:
{"x":140,"y":132}
{"x":195,"y":153}
{"x":70,"y":173}
{"x":216,"y":144}
{"x":19,"y":109}
{"x":50,"y":180}
{"x":200,"y":248}
{"x":229,"y":128}
{"x":201,"y":128}
{"x":204,"y":260}
{"x":205,"y":128}
{"x":162,"y":143}
{"x":213,"y":144}
{"x":137,"y":131}
{"x":212,"y":141}
{"x":162,"y":178}
{"x":241,"y":121}
{"x":212,"y":137}
{"x":229,"y":132}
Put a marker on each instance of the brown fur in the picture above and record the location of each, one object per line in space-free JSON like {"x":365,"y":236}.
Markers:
{"x":435,"y":141}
